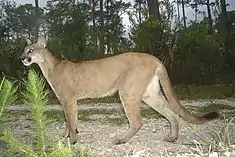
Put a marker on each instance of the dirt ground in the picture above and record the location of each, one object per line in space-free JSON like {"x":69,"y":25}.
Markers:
{"x":97,"y":135}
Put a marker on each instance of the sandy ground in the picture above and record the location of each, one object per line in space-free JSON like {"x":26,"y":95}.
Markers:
{"x":97,"y":135}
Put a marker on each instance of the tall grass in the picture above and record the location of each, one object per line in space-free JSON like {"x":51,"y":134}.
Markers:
{"x":219,"y":143}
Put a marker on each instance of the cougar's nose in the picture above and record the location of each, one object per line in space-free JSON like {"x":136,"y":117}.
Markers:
{"x":22,"y":57}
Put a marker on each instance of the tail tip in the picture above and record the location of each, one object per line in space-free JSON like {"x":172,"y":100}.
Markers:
{"x":212,"y":115}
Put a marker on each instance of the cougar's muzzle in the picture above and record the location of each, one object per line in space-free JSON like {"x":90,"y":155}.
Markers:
{"x":26,"y":60}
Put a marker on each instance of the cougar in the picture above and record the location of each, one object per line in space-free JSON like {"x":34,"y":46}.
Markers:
{"x":135,"y":76}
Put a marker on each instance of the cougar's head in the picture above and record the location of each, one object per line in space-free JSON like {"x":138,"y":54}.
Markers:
{"x":34,"y":53}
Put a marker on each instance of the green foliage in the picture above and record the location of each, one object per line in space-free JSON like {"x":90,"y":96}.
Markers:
{"x":19,"y":20}
{"x":36,"y":98}
{"x":150,"y":30}
{"x":17,"y":146}
{"x":7,"y":94}
{"x":68,"y":22}
{"x":61,"y":150}
{"x":226,"y":31}
{"x":114,"y":28}
{"x":201,"y":52}
{"x":205,"y":46}
{"x":221,"y":141}
{"x":195,"y":91}
{"x":72,"y":35}
{"x":57,"y":150}
{"x":10,"y":52}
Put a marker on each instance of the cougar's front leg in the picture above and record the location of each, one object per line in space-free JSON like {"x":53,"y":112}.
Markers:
{"x":71,"y":119}
{"x":66,"y":131}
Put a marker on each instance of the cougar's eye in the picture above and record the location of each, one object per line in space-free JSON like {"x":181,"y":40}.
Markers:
{"x":30,"y":50}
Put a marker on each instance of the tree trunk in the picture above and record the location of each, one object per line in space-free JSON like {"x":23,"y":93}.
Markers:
{"x":158,"y":10}
{"x":224,"y":14}
{"x":93,"y":23}
{"x":196,"y":10}
{"x":210,"y":28}
{"x":109,"y":39}
{"x":178,"y":12}
{"x":37,"y":24}
{"x":101,"y":33}
{"x":140,"y":20}
{"x":183,"y":10}
{"x":154,"y":9}
{"x":226,"y":30}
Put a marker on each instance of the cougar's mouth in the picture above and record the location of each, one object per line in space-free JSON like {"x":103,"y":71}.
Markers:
{"x":26,"y":61}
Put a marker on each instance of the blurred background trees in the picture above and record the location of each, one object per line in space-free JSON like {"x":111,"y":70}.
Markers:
{"x":196,"y":50}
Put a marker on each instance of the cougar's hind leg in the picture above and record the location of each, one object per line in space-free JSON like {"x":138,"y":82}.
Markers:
{"x":154,"y":98}
{"x":160,"y":105}
{"x":131,"y":90}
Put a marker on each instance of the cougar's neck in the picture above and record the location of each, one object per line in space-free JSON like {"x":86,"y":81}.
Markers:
{"x":49,"y":64}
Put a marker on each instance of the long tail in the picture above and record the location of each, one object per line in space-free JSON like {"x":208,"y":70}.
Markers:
{"x":175,"y":104}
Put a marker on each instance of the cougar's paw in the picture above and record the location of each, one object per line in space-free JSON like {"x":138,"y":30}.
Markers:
{"x":170,"y":138}
{"x":119,"y":141}
{"x":73,"y":139}
{"x":77,"y":131}
{"x":65,"y":134}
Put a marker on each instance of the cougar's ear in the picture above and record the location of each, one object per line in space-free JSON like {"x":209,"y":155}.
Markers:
{"x":42,"y":41}
{"x":28,"y":41}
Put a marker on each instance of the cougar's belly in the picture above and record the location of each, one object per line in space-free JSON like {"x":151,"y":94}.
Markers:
{"x":96,"y":93}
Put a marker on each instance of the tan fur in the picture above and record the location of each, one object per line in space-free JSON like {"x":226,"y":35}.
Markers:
{"x":135,"y":76}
